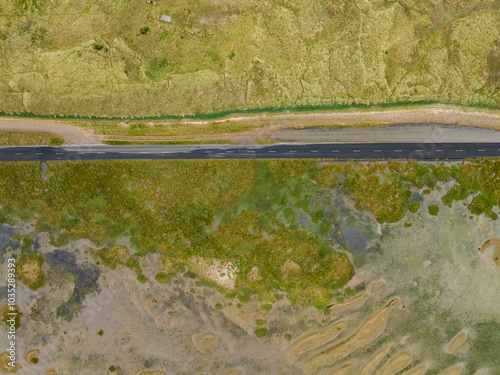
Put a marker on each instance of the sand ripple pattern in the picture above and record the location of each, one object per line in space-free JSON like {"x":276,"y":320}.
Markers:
{"x":368,"y":332}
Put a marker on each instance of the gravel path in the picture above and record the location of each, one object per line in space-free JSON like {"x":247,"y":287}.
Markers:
{"x":73,"y":135}
{"x":424,"y":133}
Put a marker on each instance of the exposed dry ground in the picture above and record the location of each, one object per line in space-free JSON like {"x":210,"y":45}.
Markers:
{"x":419,"y":370}
{"x":456,"y":342}
{"x":455,"y":370}
{"x":314,"y":340}
{"x":374,"y":360}
{"x":369,"y":330}
{"x":396,"y":364}
{"x":491,"y":250}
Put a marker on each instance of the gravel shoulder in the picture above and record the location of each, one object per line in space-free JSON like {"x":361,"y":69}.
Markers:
{"x":423,"y":133}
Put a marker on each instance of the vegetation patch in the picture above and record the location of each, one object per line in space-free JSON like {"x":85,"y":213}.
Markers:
{"x":235,"y":216}
{"x":29,"y":139}
{"x":260,"y":332}
{"x":163,"y":278}
{"x":433,"y":210}
{"x":29,"y":269}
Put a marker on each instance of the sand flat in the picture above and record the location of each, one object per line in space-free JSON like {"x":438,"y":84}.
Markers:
{"x":342,"y":370}
{"x":352,"y":303}
{"x":314,"y":340}
{"x":368,"y":332}
{"x":456,"y":342}
{"x":419,"y":370}
{"x":396,"y":363}
{"x":376,"y":286}
{"x":491,"y":250}
{"x":455,"y":370}
{"x":374,"y":360}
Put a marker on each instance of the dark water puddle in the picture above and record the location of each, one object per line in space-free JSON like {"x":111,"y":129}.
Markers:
{"x":85,"y":277}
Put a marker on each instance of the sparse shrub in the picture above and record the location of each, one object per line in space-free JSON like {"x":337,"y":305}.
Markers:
{"x":141,"y":278}
{"x":163,"y":278}
{"x":433,"y":210}
{"x":414,"y":207}
{"x":266,"y":307}
{"x":260,"y":332}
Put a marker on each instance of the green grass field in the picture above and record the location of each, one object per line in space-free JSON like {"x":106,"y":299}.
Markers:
{"x":116,"y":58}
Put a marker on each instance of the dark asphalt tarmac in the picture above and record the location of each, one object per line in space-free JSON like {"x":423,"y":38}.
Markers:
{"x":340,"y":151}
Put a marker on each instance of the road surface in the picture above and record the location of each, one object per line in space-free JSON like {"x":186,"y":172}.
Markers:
{"x":340,"y":151}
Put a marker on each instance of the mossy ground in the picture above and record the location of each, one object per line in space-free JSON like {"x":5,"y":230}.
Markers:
{"x":243,"y":55}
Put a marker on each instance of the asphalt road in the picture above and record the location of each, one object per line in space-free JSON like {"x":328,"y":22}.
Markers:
{"x":340,"y":151}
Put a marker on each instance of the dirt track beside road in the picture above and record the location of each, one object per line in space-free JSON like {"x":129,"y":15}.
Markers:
{"x":73,"y":135}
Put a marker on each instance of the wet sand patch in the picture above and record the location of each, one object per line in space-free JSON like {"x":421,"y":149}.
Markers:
{"x":376,"y":286}
{"x":374,"y":360}
{"x":342,"y":370}
{"x":456,"y":342}
{"x":419,"y":370}
{"x":353,"y":303}
{"x":206,"y":342}
{"x":396,"y":363}
{"x":314,"y":340}
{"x":491,"y":251}
{"x":368,"y":332}
{"x":32,"y":356}
{"x":242,"y":317}
{"x":4,"y":363}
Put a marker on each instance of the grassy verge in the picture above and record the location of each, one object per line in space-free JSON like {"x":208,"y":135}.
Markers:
{"x":170,"y":130}
{"x":203,"y":142}
{"x":29,"y":139}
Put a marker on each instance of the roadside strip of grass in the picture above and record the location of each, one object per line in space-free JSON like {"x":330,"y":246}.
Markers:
{"x":29,"y":139}
{"x":210,"y":142}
